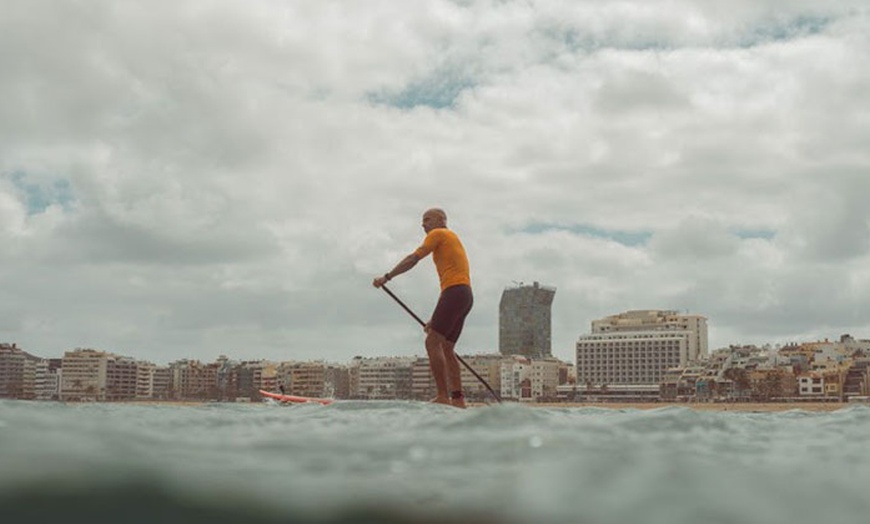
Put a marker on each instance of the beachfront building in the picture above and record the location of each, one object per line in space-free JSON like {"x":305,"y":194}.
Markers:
{"x":247,"y":379}
{"x":383,"y":378}
{"x":312,"y":379}
{"x":162,"y":385}
{"x":18,"y":371}
{"x":528,"y":379}
{"x":193,"y":380}
{"x":91,"y":375}
{"x":545,"y":376}
{"x":827,"y":383}
{"x":487,"y":366}
{"x":638,"y":347}
{"x":84,"y":375}
{"x":524,"y":326}
{"x":422,"y":383}
{"x":811,"y":385}
{"x":121,"y":378}
{"x":47,"y":386}
{"x":659,"y":320}
{"x":515,"y":383}
{"x":337,"y":381}
{"x":144,"y":380}
{"x":629,"y":358}
{"x":857,"y":382}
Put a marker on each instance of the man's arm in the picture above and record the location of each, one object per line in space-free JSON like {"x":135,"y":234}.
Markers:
{"x":406,"y":264}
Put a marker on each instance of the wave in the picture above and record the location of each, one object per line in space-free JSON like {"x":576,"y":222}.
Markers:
{"x":397,"y":461}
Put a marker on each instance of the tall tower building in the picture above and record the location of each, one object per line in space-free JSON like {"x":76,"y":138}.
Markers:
{"x":637,"y":347}
{"x":524,"y":326}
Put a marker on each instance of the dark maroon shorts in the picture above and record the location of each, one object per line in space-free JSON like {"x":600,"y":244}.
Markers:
{"x":450,"y":312}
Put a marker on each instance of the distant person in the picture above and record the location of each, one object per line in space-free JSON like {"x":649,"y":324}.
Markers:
{"x":454,"y":304}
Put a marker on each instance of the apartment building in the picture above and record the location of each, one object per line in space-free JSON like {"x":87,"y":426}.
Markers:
{"x":488,"y":367}
{"x":191,"y":379}
{"x":544,"y":378}
{"x":84,"y":376}
{"x":162,"y":385}
{"x":306,"y":379}
{"x":422,"y":383}
{"x":121,"y":378}
{"x":253,"y":376}
{"x":18,"y":370}
{"x":145,"y":380}
{"x":337,"y":381}
{"x":514,"y":373}
{"x":382,"y":377}
{"x":47,"y":386}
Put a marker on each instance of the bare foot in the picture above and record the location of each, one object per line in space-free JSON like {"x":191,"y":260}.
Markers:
{"x":440,"y":400}
{"x":458,"y":402}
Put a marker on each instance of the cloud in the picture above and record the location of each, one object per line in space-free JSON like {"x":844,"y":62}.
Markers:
{"x":189,"y":179}
{"x":694,"y":238}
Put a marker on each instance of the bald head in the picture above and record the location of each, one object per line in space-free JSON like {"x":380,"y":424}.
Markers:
{"x":437,"y":213}
{"x":434,"y":218}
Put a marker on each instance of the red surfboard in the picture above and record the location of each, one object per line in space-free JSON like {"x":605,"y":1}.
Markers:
{"x":294,"y":399}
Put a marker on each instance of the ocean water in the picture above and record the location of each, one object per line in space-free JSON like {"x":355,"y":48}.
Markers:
{"x":414,"y":462}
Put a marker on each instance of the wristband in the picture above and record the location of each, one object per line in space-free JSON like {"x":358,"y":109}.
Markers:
{"x":387,"y":276}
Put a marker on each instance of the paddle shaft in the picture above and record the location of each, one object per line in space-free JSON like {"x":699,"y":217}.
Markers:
{"x":406,"y":308}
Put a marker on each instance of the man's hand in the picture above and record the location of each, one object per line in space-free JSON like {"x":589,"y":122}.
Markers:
{"x":380,"y":281}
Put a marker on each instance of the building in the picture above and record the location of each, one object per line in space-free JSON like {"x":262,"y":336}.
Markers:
{"x":121,"y":378}
{"x":383,"y":378}
{"x":524,"y":326}
{"x":658,"y":320}
{"x":544,"y":378}
{"x":144,"y":380}
{"x":629,"y":358}
{"x":638,"y":347}
{"x":422,"y":382}
{"x":515,"y":381}
{"x":48,"y":379}
{"x":252,"y":377}
{"x":312,"y":379}
{"x":811,"y":385}
{"x":857,"y":382}
{"x":487,"y":366}
{"x":337,"y":381}
{"x":84,"y":375}
{"x":18,"y":372}
{"x":192,"y":380}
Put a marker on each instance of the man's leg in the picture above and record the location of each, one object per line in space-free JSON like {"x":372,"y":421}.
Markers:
{"x":437,"y":364}
{"x":454,"y":374}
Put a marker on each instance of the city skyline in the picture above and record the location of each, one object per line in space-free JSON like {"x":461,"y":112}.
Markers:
{"x":611,"y":366}
{"x":236,"y":188}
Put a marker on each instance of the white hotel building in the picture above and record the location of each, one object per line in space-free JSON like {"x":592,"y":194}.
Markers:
{"x":638,"y":347}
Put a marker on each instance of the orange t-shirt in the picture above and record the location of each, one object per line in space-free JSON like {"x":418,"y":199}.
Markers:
{"x":450,"y":259}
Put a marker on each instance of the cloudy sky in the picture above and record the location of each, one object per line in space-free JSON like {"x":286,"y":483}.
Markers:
{"x":190,"y":178}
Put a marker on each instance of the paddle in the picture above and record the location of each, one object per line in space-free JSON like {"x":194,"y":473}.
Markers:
{"x":406,"y":308}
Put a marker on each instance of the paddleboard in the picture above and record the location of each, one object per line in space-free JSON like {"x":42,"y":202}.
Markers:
{"x":295,"y":399}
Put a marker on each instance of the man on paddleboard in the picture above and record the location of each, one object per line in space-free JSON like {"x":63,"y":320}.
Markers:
{"x":454,"y":304}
